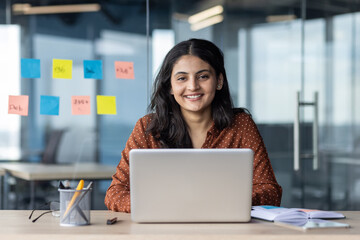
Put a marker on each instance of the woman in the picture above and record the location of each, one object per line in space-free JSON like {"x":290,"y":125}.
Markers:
{"x":191,"y":108}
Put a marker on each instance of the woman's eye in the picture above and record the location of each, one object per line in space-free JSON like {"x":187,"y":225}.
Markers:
{"x":181,"y":79}
{"x":203,"y":76}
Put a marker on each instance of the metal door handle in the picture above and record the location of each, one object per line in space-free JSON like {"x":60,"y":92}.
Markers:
{"x":297,"y":134}
{"x":316,"y":133}
{"x":315,"y":154}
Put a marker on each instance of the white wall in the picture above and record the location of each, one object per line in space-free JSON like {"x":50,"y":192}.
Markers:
{"x":9,"y":85}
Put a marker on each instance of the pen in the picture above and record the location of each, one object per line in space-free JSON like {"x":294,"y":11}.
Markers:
{"x":76,"y":205}
{"x":76,"y":194}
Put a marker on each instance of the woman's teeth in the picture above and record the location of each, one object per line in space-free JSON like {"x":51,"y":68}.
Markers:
{"x":193,"y":96}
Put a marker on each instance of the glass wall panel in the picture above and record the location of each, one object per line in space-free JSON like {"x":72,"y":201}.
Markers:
{"x":272,"y":50}
{"x":275,"y":71}
{"x":114,"y":31}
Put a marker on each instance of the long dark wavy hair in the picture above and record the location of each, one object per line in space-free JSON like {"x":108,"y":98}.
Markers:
{"x":167,"y":124}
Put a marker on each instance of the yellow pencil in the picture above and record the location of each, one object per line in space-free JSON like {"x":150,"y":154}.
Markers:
{"x":79,"y":187}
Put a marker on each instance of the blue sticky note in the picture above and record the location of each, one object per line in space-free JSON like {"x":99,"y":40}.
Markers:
{"x":93,"y":69}
{"x":49,"y":105}
{"x":30,"y":68}
{"x":269,"y":207}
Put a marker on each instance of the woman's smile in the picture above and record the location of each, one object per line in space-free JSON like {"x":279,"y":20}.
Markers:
{"x":193,"y":97}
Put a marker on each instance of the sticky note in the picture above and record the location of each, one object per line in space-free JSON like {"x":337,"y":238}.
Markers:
{"x":49,"y":105}
{"x":19,"y":105}
{"x":30,"y":68}
{"x":269,"y":206}
{"x":80,"y":105}
{"x":62,"y":68}
{"x":106,"y":104}
{"x":124,"y":70}
{"x":93,"y":69}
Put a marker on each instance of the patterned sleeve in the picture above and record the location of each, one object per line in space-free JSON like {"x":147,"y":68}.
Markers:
{"x":266,"y":190}
{"x":117,"y":196}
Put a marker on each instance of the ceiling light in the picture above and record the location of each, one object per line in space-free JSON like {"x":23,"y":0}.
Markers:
{"x":207,"y":22}
{"x":27,"y":9}
{"x":198,"y":17}
{"x":280,"y":18}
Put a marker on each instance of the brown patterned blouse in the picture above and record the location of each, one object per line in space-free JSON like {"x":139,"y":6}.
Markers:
{"x":243,"y":133}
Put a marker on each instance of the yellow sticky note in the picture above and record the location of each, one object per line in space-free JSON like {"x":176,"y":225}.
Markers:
{"x":106,"y":104}
{"x":62,"y":68}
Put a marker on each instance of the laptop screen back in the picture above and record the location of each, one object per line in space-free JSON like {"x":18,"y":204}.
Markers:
{"x":191,"y":185}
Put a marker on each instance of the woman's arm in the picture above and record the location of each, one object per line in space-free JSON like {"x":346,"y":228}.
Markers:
{"x":266,"y":190}
{"x":117,"y":196}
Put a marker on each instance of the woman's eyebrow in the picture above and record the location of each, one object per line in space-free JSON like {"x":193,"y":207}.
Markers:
{"x":180,"y":73}
{"x":203,"y":70}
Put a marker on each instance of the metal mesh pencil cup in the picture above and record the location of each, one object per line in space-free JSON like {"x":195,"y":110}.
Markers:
{"x":79,"y":212}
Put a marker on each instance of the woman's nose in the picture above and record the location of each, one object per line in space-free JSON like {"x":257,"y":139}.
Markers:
{"x":193,"y":84}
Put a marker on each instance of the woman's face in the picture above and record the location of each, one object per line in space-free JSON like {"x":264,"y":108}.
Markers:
{"x":193,"y":84}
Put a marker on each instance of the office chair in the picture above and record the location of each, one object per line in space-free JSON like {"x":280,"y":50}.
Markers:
{"x":52,"y":146}
{"x":48,"y":156}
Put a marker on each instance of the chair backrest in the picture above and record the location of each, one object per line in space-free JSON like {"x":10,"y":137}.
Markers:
{"x":52,"y":146}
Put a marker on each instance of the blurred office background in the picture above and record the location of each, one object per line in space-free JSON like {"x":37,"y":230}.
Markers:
{"x":277,"y":55}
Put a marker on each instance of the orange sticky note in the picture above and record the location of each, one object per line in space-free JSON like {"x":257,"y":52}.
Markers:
{"x":19,"y":105}
{"x":106,"y":104}
{"x":80,"y":105}
{"x":124,"y":70}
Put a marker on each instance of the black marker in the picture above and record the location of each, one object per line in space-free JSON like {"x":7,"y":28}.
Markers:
{"x":111,"y":221}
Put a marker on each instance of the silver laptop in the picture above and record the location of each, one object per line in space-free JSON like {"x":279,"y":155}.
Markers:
{"x":191,"y":185}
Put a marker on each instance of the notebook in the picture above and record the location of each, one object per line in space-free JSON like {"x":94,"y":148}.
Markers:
{"x":191,"y":185}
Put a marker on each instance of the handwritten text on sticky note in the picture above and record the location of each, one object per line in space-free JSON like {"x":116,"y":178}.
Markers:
{"x":49,"y":105}
{"x":30,"y":68}
{"x":106,"y":104}
{"x":19,"y":105}
{"x":93,"y":69}
{"x":62,"y":68}
{"x":80,"y":105}
{"x":124,"y":70}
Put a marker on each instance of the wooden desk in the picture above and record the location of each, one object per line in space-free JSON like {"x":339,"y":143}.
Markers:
{"x":46,"y":172}
{"x":16,"y":225}
{"x":39,"y":171}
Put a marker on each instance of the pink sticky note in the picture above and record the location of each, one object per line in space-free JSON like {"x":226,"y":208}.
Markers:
{"x":19,"y":105}
{"x":80,"y":105}
{"x":124,"y":70}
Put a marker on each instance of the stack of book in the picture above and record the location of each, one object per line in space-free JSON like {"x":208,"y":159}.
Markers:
{"x":296,"y":216}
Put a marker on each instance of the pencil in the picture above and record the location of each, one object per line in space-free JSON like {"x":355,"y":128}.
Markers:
{"x":76,"y":194}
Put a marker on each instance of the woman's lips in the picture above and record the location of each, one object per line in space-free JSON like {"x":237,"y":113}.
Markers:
{"x":193,"y":96}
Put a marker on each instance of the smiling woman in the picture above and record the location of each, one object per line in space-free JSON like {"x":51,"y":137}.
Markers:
{"x":193,"y":84}
{"x":191,"y":108}
{"x":190,"y":93}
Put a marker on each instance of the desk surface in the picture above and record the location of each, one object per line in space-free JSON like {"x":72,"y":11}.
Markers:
{"x":16,"y":225}
{"x":39,"y":171}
